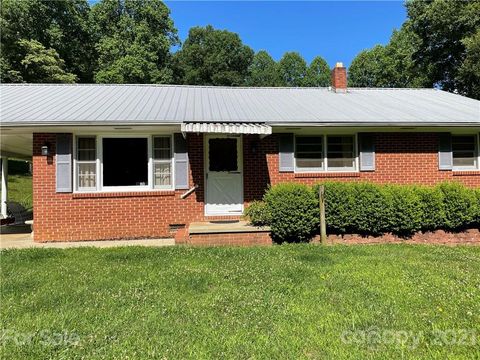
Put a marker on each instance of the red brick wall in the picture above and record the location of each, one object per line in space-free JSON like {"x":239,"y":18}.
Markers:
{"x":69,"y":217}
{"x":400,"y":158}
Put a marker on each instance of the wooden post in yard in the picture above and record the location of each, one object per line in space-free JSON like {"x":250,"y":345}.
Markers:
{"x":323,"y":225}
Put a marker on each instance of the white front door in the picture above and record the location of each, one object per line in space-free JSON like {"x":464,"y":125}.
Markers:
{"x":223,"y":175}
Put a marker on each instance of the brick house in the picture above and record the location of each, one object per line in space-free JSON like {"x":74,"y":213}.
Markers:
{"x":143,"y":161}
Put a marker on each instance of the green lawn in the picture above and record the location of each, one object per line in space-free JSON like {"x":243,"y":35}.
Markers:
{"x":289,"y":301}
{"x":20,"y":189}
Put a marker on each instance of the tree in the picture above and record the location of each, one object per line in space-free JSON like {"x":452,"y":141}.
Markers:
{"x":58,"y":25}
{"x":402,"y":71}
{"x":443,"y":27}
{"x":318,"y":73}
{"x":292,"y":69}
{"x":42,"y":65}
{"x":134,"y":38}
{"x":469,"y":73}
{"x":390,"y":65}
{"x":213,"y":57}
{"x":369,"y":68}
{"x":262,"y":71}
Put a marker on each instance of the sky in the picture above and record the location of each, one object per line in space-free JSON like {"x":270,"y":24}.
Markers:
{"x":336,"y":30}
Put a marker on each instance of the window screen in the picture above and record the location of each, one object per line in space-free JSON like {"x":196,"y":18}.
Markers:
{"x":222,"y":154}
{"x":464,"y":151}
{"x":125,"y":161}
{"x":340,"y":152}
{"x":309,"y":152}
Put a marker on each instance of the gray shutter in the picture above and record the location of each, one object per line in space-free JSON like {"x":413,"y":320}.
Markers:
{"x":445,"y":158}
{"x":181,"y":162}
{"x":367,"y":151}
{"x":64,"y":163}
{"x":286,"y":152}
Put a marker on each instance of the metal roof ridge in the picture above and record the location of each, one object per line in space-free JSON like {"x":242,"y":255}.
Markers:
{"x":207,"y":86}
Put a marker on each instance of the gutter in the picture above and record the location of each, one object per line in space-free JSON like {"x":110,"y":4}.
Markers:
{"x":273,"y":124}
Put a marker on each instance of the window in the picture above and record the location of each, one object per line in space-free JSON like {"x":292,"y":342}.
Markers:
{"x":464,"y":151}
{"x":108,"y":163}
{"x":340,"y":153}
{"x":87,"y":163}
{"x":309,"y":153}
{"x":325,"y":153}
{"x":125,"y":161}
{"x":162,"y":162}
{"x":222,"y":154}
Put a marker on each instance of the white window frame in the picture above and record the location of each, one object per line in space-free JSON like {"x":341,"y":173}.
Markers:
{"x":325,"y":168}
{"x":78,"y":162}
{"x":99,"y":164}
{"x":354,"y":154}
{"x":305,"y":170}
{"x":476,"y":155}
{"x":164,"y":161}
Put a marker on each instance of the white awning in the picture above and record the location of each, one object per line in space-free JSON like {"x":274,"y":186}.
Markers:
{"x":227,"y":128}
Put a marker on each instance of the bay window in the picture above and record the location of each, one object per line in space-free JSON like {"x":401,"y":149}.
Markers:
{"x":325,"y":153}
{"x":112,"y":163}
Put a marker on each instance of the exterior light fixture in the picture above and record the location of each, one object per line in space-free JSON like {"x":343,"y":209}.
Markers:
{"x":45,"y":149}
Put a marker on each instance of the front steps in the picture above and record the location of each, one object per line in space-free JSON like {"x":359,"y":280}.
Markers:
{"x":223,"y":233}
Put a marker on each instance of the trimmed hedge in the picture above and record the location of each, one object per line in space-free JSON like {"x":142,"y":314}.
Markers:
{"x":292,"y":211}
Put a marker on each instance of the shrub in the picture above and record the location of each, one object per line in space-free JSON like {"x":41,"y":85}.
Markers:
{"x":338,"y":206}
{"x":431,"y":202}
{"x":258,"y":213}
{"x":477,"y":211}
{"x":459,"y":203}
{"x":369,"y":209}
{"x":403,"y":214}
{"x":294,"y":212}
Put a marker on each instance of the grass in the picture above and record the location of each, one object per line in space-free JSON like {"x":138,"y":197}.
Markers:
{"x":289,"y":301}
{"x":20,"y":189}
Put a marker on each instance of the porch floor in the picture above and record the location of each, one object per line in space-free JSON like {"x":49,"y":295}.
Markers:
{"x":218,"y":227}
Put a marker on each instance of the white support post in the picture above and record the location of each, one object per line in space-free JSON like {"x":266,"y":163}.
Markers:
{"x":4,"y":186}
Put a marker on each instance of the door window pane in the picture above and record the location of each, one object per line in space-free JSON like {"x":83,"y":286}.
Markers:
{"x":464,"y":151}
{"x":222,"y":154}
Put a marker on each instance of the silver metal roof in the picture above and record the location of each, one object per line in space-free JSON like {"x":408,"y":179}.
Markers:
{"x":47,"y":104}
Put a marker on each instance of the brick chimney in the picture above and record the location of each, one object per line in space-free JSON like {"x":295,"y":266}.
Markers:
{"x":339,"y":78}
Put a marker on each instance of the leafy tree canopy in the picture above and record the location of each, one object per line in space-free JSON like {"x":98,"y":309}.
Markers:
{"x":42,"y":65}
{"x":58,"y":25}
{"x":318,"y":73}
{"x":262,"y":71}
{"x":213,"y":57}
{"x":133,"y":41}
{"x":292,"y":69}
{"x":445,"y":29}
{"x":390,"y":65}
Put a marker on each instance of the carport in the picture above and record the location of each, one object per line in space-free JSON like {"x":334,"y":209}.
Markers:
{"x":14,"y":143}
